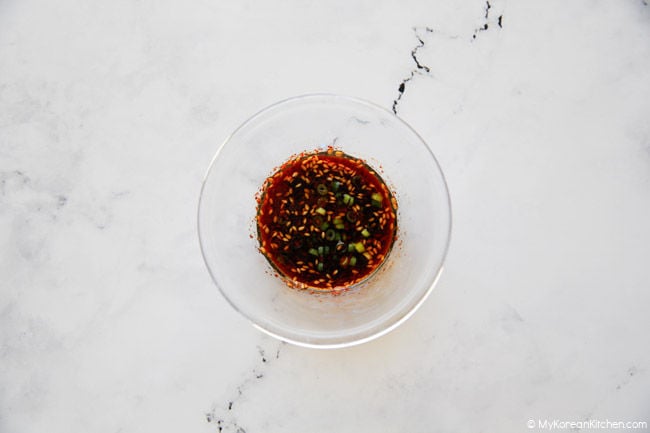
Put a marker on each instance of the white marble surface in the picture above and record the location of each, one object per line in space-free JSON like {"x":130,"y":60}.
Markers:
{"x":111,"y":111}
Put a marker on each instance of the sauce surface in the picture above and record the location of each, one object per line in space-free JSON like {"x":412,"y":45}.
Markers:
{"x":325,"y":220}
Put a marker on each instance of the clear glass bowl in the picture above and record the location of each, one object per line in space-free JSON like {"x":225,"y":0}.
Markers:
{"x":227,"y":231}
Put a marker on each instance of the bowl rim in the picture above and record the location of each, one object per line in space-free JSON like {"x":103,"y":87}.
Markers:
{"x":395,"y":323}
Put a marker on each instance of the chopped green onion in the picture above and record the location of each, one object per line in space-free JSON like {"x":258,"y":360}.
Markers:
{"x":320,"y":266}
{"x":321,"y":250}
{"x":365,"y":233}
{"x":359,"y":247}
{"x":330,"y":235}
{"x":353,"y":261}
{"x":335,"y":185}
{"x":321,"y":211}
{"x":337,"y":220}
{"x":350,"y":248}
{"x":348,"y":199}
{"x":376,"y":197}
{"x":327,"y":249}
{"x":321,"y":189}
{"x":339,"y":226}
{"x":313,"y":251}
{"x":375,"y":203}
{"x":324,"y":226}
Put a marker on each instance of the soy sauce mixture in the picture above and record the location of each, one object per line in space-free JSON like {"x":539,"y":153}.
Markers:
{"x":325,"y":220}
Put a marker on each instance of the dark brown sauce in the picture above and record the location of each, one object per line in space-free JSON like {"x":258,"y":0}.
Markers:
{"x":325,"y":220}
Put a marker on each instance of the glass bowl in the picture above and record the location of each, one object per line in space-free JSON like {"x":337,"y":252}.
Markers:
{"x":227,"y":230}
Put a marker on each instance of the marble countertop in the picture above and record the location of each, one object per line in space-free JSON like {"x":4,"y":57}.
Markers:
{"x":110,"y":112}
